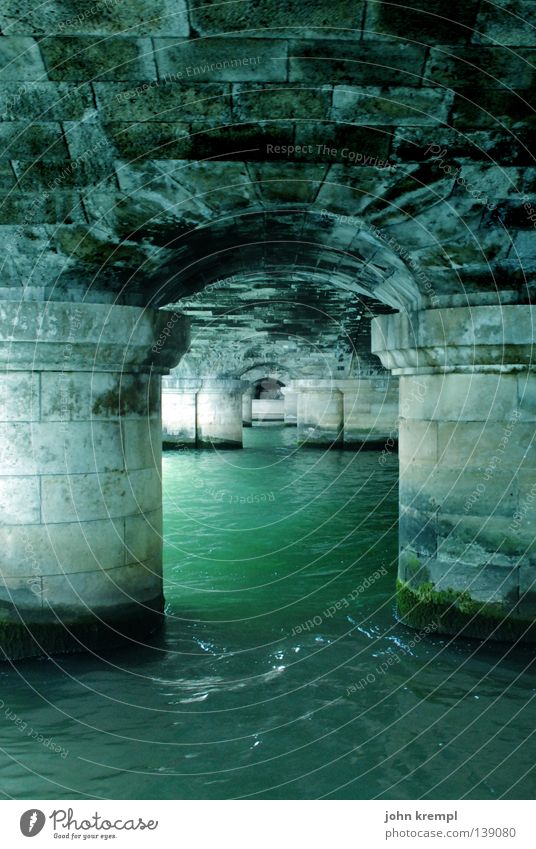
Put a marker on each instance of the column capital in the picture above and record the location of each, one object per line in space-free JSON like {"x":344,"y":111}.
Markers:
{"x":457,"y":339}
{"x":206,"y":385}
{"x":65,"y":336}
{"x":314,"y":384}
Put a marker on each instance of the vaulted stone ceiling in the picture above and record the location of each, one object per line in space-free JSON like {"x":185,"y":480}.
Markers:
{"x":138,"y":137}
{"x":276,"y":324}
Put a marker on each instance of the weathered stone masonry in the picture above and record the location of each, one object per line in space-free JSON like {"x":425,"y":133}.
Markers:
{"x":345,"y":153}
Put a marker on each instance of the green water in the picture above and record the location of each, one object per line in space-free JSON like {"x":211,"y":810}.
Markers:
{"x":270,"y":680}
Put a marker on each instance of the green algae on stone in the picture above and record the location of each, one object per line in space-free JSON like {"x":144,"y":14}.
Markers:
{"x":454,"y":612}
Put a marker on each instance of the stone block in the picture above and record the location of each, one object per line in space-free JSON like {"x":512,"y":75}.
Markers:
{"x":366,"y":63}
{"x":103,"y":17}
{"x":39,"y":174}
{"x":456,"y":548}
{"x":27,"y":250}
{"x":222,"y":59}
{"x":58,"y":207}
{"x":320,"y":416}
{"x":20,"y":140}
{"x":7,"y":177}
{"x":417,"y":531}
{"x":57,"y":549}
{"x":143,"y":537}
{"x":150,"y":140}
{"x":512,"y":214}
{"x":426,"y":21}
{"x":50,"y":448}
{"x":355,"y":189}
{"x":331,"y":142}
{"x":485,"y":328}
{"x":487,"y":446}
{"x":417,"y":442}
{"x":19,"y":396}
{"x":501,"y":147}
{"x":507,"y":542}
{"x":265,"y":102}
{"x":524,"y":246}
{"x":77,"y":59}
{"x":218,"y":418}
{"x":184,"y":179}
{"x":103,"y":590}
{"x":87,"y":396}
{"x":183,"y":189}
{"x":244,"y":142}
{"x":527,"y":495}
{"x":510,"y":22}
{"x":20,"y":500}
{"x":280,"y":19}
{"x":425,"y":488}
{"x":485,"y":582}
{"x":291,"y":183}
{"x":163,"y":101}
{"x":70,"y":397}
{"x":492,"y":182}
{"x":413,"y":567}
{"x":526,"y":393}
{"x":529,"y":180}
{"x":45,"y":101}
{"x":149,"y":212}
{"x":470,"y":67}
{"x":460,"y":397}
{"x":397,"y":106}
{"x":20,"y":594}
{"x":142,"y":443}
{"x":91,"y":151}
{"x":416,"y":488}
{"x":68,"y":498}
{"x":20,"y":59}
{"x":485,"y":108}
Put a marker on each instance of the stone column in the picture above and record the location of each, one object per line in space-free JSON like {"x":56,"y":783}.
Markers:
{"x":247,"y":401}
{"x":80,"y":489}
{"x":219,"y":413}
{"x":179,"y":412}
{"x":370,"y":410}
{"x":290,"y":409}
{"x":320,"y":413}
{"x":467,"y":467}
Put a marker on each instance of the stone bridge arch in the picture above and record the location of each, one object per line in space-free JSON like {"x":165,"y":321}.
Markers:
{"x":367,"y":148}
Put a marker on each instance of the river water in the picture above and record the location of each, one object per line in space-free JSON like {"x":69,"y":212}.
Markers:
{"x":282,"y":671}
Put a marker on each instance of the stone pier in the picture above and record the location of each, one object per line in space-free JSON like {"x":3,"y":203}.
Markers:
{"x":247,"y":410}
{"x":467,"y":467}
{"x":320,"y":413}
{"x":290,"y":409}
{"x":219,"y":413}
{"x":370,"y":410}
{"x":80,"y":487}
{"x":179,"y":412}
{"x":202,"y":412}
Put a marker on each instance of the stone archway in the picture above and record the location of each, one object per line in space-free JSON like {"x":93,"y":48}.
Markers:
{"x":487,"y":590}
{"x":466,"y":387}
{"x":129,"y":187}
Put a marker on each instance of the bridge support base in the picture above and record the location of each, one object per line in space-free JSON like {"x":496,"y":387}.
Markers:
{"x":467,"y":468}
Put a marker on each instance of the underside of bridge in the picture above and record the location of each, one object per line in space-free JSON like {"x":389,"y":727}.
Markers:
{"x":336,"y":196}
